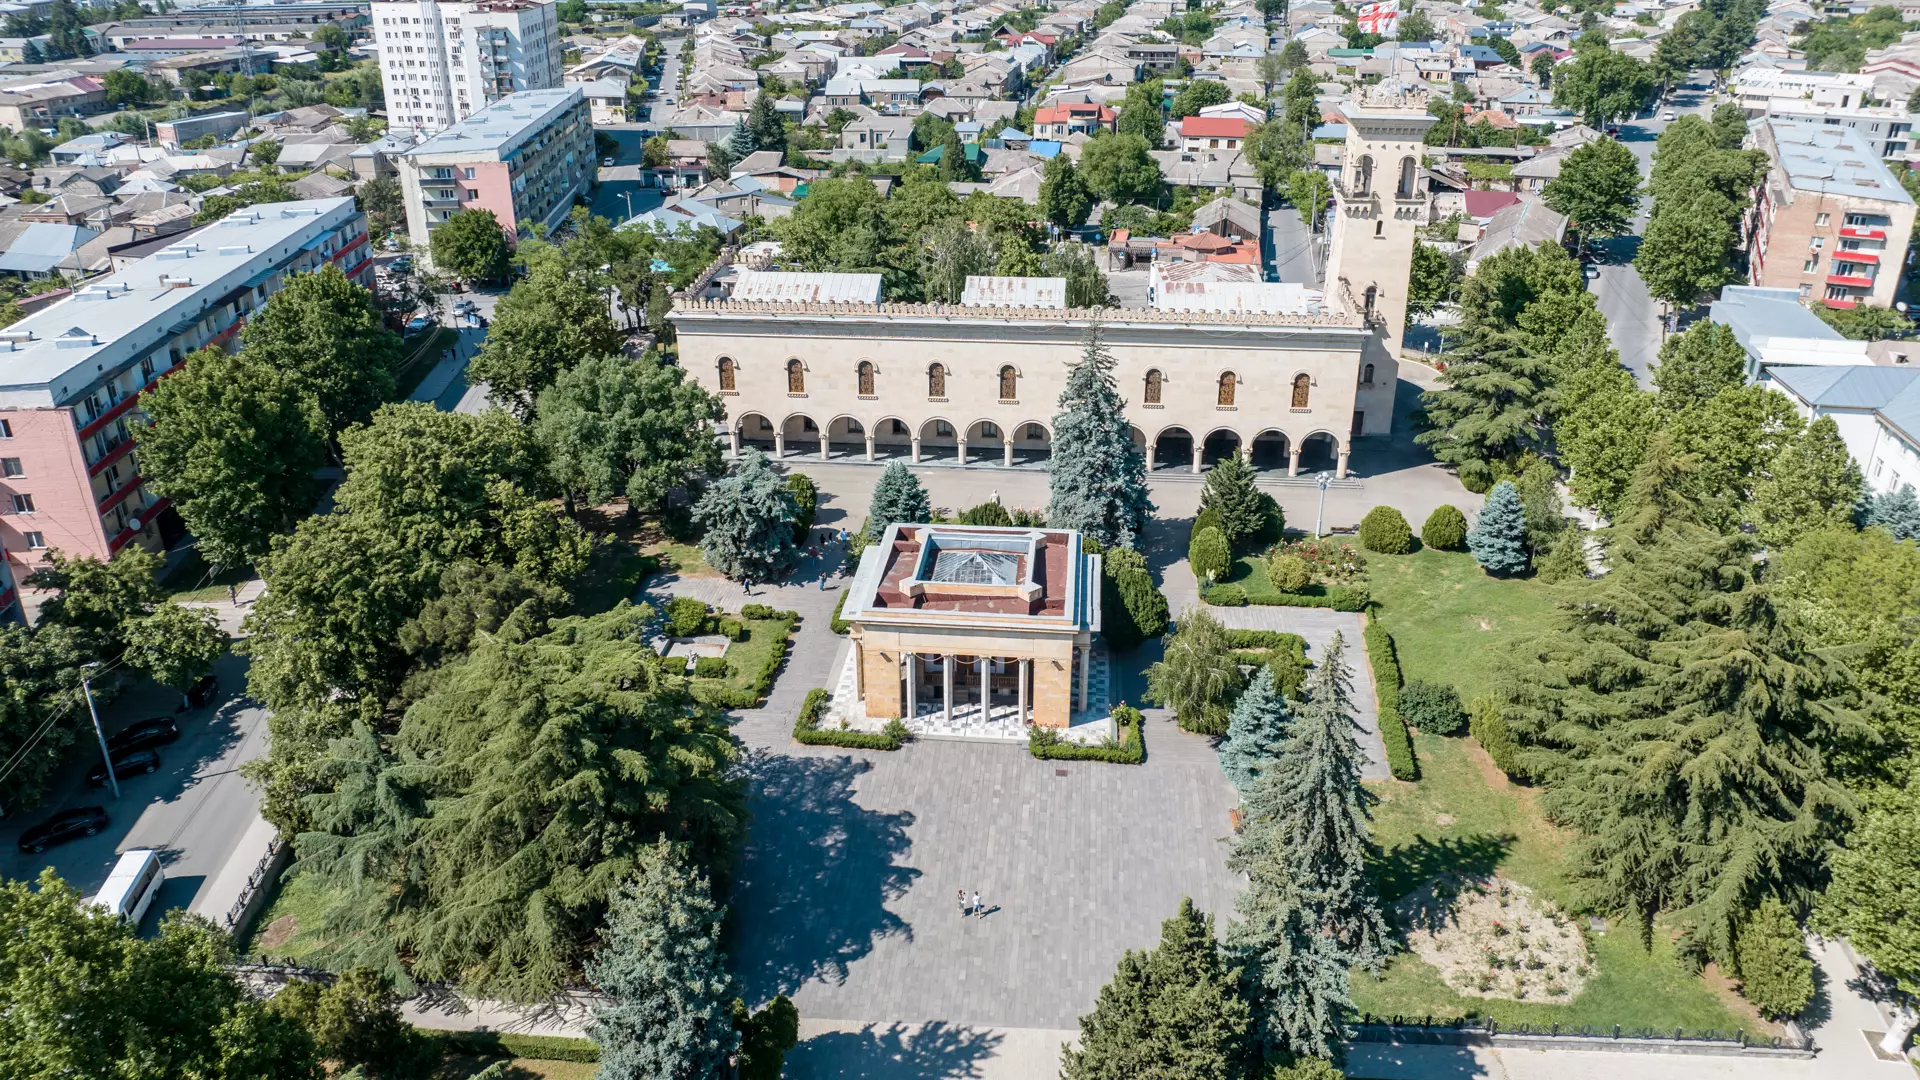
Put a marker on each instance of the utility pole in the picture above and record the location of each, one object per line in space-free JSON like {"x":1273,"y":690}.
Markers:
{"x":1325,"y":479}
{"x":87,"y":688}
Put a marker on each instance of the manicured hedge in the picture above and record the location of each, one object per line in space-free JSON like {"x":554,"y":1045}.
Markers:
{"x":1268,"y":639}
{"x":710,"y":667}
{"x":716,"y":693}
{"x":839,"y":625}
{"x":1337,"y":597}
{"x":1130,"y":750}
{"x":1386,"y":684}
{"x":807,"y":728}
{"x":504,"y":1044}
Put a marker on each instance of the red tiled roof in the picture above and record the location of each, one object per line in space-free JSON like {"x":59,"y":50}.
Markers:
{"x":1214,"y":127}
{"x":1060,"y":114}
{"x":1484,"y":204}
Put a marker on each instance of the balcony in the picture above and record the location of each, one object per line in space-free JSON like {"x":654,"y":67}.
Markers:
{"x":1849,"y":280}
{"x":436,"y":202}
{"x":1862,"y":232}
{"x":1871,"y":258}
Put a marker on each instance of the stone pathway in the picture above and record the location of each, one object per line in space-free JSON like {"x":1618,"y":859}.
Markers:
{"x":1318,"y":625}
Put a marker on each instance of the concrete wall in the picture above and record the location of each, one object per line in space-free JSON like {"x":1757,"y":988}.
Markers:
{"x":55,"y":474}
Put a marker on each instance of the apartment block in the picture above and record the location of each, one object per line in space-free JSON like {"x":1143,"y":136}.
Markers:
{"x":441,"y":62}
{"x":1888,"y":130}
{"x":1830,"y":220}
{"x":523,"y":157}
{"x":71,"y":373}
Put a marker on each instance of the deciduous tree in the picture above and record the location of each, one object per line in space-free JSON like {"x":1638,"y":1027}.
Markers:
{"x":1198,"y":677}
{"x":326,"y":331}
{"x":1873,"y":895}
{"x":471,"y":244}
{"x":1598,"y":187}
{"x":551,"y":320}
{"x":1812,"y":483}
{"x":1064,"y":198}
{"x":1118,"y":167}
{"x":175,"y":645}
{"x":613,"y":426}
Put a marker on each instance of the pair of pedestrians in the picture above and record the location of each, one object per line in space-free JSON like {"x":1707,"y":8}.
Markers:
{"x":973,"y":907}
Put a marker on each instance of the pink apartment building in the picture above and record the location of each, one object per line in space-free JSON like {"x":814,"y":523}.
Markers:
{"x":71,"y":374}
{"x":524,"y":157}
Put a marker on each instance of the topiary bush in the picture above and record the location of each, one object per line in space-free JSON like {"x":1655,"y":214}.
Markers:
{"x":710,"y":667}
{"x":1209,"y":555}
{"x":1385,"y":530}
{"x":1476,"y":476}
{"x":1207,"y":519}
{"x":1289,"y":573}
{"x":1445,"y":530}
{"x":686,"y":616}
{"x":837,"y":624}
{"x":1433,"y":708}
{"x":1224,"y":595}
{"x":987,"y":513}
{"x":1348,"y":597}
{"x":1273,"y":523}
{"x":1490,"y":730}
{"x":1133,"y":608}
{"x":1775,"y":973}
{"x":806,"y":500}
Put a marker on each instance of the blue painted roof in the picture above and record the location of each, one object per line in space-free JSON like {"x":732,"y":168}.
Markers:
{"x":1891,"y":393}
{"x":1044,"y":148}
{"x":41,"y":246}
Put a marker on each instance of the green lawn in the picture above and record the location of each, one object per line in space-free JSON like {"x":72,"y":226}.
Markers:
{"x":766,"y":638}
{"x":1451,"y":623}
{"x":683,"y":559}
{"x":287,"y":929}
{"x":193,"y":579}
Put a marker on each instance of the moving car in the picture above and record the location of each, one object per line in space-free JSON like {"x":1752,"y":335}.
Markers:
{"x":1668,"y":115}
{"x":62,"y":827}
{"x":144,"y":735}
{"x":606,"y":163}
{"x":125,"y":765}
{"x":419,"y":324}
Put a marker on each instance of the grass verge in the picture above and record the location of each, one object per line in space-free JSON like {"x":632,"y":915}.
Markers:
{"x":194,"y":580}
{"x":288,"y":928}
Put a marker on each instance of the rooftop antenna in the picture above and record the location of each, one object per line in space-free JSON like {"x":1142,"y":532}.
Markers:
{"x":246,"y":43}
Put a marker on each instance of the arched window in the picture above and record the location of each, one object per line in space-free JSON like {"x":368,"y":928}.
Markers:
{"x":1372,"y":294}
{"x":1226,"y":388}
{"x":1009,"y":384}
{"x":1301,"y":384}
{"x":937,"y":381}
{"x":1406,"y":178}
{"x":1153,"y":386}
{"x":866,"y":378}
{"x":1363,"y":177}
{"x":1366,"y":375}
{"x":726,"y":373}
{"x":796,"y":377}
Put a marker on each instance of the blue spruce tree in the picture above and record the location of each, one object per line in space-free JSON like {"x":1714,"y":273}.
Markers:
{"x":1898,"y":512}
{"x":1498,"y":538}
{"x":897,"y":497}
{"x":748,"y":518}
{"x":1099,"y":475}
{"x":1255,"y":731}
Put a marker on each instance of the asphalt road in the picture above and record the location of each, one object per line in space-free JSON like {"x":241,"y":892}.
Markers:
{"x":1292,"y":252}
{"x":193,"y":811}
{"x":1633,"y":316}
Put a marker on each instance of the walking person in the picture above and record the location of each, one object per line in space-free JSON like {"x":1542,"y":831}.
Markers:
{"x":978,"y":907}
{"x":747,"y":584}
{"x":960,"y":898}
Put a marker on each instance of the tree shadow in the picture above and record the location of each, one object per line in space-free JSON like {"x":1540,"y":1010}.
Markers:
{"x":1403,"y":869}
{"x":811,"y":892}
{"x":1165,"y":543}
{"x":894,"y":1052}
{"x":1819,"y":1007}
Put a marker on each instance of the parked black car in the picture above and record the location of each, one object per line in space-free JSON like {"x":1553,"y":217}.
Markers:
{"x":62,"y":827}
{"x":125,"y":765}
{"x":144,"y":735}
{"x":202,"y":692}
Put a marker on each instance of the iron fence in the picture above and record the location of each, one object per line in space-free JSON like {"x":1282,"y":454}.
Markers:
{"x":1429,"y":1029}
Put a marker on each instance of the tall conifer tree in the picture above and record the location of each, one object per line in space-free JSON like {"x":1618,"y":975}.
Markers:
{"x":1099,"y":473}
{"x":1255,"y":731}
{"x":897,"y":497}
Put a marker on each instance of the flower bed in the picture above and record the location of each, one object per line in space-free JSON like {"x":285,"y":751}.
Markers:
{"x":1046,"y":744}
{"x":1495,"y":939}
{"x":807,"y":728}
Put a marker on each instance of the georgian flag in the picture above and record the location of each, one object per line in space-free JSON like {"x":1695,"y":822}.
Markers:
{"x":1379,"y":18}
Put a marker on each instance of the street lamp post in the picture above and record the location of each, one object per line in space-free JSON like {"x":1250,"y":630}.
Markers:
{"x":87,"y":689}
{"x":628,"y":195}
{"x":1325,"y":480}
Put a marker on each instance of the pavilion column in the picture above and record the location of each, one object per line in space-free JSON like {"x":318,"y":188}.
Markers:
{"x":1007,"y":455}
{"x":946,"y":684}
{"x":1150,"y":449}
{"x":986,"y":688}
{"x":961,"y":446}
{"x":916,"y":449}
{"x":913,"y":684}
{"x":1086,"y":661}
{"x":1197,"y":451}
{"x":1293,"y":460}
{"x":823,"y":444}
{"x":1024,"y":667}
{"x":859,"y":672}
{"x":1341,"y":469}
{"x":780,"y":444}
{"x":869,"y":446}
{"x":733,"y":442}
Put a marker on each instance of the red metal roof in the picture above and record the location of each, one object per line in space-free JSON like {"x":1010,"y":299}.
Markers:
{"x":1485,"y":204}
{"x":1214,"y":127}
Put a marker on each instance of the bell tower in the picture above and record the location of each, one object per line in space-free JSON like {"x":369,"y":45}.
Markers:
{"x":1380,"y":200}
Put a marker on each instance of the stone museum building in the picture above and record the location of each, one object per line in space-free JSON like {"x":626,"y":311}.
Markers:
{"x":955,"y":619}
{"x":1284,"y":373}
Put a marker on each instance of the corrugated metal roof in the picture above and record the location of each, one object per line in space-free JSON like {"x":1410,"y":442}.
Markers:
{"x":1262,"y":297}
{"x":784,"y":287}
{"x":40,"y":246}
{"x":1855,"y":386}
{"x":1021,"y":292}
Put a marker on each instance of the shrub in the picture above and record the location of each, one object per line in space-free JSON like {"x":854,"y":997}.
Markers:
{"x":1268,"y":639}
{"x":1445,"y":530}
{"x":710,"y":667}
{"x":1273,"y":523}
{"x":1047,"y":745}
{"x":1775,"y":973}
{"x":1132,"y":607}
{"x":1348,"y":597}
{"x":1385,"y":530}
{"x":1567,"y":559}
{"x":1224,"y":596}
{"x":839,"y":625}
{"x":1490,"y":730}
{"x":763,"y":611}
{"x":987,"y":513}
{"x":1206,"y":519}
{"x":721,"y":696}
{"x":1328,"y":559}
{"x":533,"y":1047}
{"x":1386,"y":688}
{"x":1209,"y":554}
{"x":1433,"y":708}
{"x":807,"y":728}
{"x":806,"y":500}
{"x":1282,"y":653}
{"x":1476,"y":476}
{"x":1289,"y":573}
{"x":1028,"y":519}
{"x":734,"y":629}
{"x":686,"y":616}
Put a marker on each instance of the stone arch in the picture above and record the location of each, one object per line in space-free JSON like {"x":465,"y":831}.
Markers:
{"x":1363,"y":176}
{"x":728,"y":374}
{"x":800,"y":433}
{"x":1219,"y":444}
{"x":796,"y":375}
{"x":863,"y":374}
{"x":937,"y":431}
{"x":755,"y":430}
{"x":1408,"y":178}
{"x":1319,"y":450}
{"x":847,"y":435}
{"x":1269,"y":449}
{"x":1173,"y":447}
{"x":1300,"y":392}
{"x":1366,"y":375}
{"x":987,"y":440}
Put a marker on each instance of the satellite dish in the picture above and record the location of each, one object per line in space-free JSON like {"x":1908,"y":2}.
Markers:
{"x":134,"y":524}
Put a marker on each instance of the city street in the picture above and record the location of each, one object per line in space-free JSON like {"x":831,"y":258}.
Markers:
{"x":1633,"y":316}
